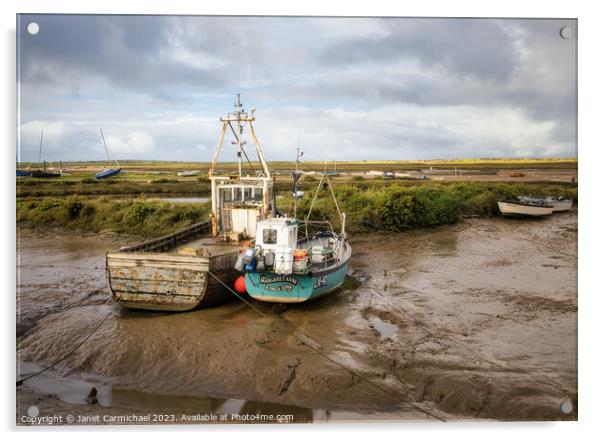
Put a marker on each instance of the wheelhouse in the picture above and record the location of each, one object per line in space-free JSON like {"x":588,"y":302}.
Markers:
{"x":238,"y":204}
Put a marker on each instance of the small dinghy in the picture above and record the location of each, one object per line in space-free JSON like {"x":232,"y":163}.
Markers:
{"x":189,"y":173}
{"x":559,"y":204}
{"x":107,"y":173}
{"x":525,"y":207}
{"x":288,"y":265}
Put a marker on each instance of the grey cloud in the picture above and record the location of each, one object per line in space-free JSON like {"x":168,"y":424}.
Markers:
{"x":119,"y":49}
{"x":464,"y":46}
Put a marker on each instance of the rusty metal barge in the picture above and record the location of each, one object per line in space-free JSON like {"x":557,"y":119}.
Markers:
{"x":178,"y":272}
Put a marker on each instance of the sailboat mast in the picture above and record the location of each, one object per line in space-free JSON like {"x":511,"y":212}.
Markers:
{"x":106,"y":149}
{"x":40,"y":151}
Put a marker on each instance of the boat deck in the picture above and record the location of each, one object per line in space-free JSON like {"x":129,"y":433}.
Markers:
{"x":206,"y":247}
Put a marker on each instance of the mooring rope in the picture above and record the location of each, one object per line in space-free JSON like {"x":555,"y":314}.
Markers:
{"x":330,"y":359}
{"x":20,"y":381}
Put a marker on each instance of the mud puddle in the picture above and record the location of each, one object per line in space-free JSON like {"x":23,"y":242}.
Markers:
{"x":77,"y":391}
{"x":474,"y":320}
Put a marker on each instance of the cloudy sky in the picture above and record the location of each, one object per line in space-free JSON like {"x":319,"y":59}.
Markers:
{"x":351,"y":88}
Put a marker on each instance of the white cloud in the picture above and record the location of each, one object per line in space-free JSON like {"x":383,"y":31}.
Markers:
{"x":130,"y":143}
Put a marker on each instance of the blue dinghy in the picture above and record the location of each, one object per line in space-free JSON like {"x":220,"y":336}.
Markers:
{"x":107,"y":173}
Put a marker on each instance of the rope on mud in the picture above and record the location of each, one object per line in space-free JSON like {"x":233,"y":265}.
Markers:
{"x":20,"y":381}
{"x":389,"y":302}
{"x":335,"y":362}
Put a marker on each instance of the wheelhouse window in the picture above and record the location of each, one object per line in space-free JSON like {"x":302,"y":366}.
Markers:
{"x":270,"y":236}
{"x":238,"y":194}
{"x":247,"y":193}
{"x":227,"y":194}
{"x":258,"y":194}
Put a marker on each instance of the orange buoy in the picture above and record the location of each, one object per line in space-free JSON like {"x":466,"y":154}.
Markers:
{"x":239,"y":285}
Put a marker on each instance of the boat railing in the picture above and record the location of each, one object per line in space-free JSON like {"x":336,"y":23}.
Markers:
{"x":307,"y":227}
{"x":170,"y":240}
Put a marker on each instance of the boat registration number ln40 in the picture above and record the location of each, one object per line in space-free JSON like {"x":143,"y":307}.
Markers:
{"x":320,"y":281}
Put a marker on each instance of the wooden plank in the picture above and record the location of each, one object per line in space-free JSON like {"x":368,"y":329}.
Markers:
{"x":159,"y":257}
{"x":158,"y":302}
{"x":154,"y":274}
{"x":157,"y":265}
{"x":158,"y":288}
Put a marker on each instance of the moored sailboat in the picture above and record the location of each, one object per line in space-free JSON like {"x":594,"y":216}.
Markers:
{"x":42,"y":172}
{"x":109,"y":172}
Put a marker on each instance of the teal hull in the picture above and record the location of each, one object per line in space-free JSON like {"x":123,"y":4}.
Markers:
{"x":271,"y":287}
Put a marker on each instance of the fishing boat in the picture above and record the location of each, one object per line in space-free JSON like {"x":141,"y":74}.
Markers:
{"x":189,"y":173}
{"x":288,"y":264}
{"x":189,"y":268}
{"x":560,"y":203}
{"x":525,"y":207}
{"x":109,"y":172}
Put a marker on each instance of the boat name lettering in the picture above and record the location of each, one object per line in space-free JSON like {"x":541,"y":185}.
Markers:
{"x":278,"y":279}
{"x":280,"y":288}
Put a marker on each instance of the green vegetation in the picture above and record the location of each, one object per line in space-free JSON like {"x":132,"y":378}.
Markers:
{"x":153,"y":169}
{"x":137,"y":217}
{"x":397,"y":206}
{"x":88,"y":186}
{"x":370,"y":206}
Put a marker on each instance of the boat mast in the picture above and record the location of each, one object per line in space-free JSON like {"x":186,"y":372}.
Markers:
{"x":240,"y":117}
{"x":40,"y":152}
{"x":296,"y":176}
{"x":106,"y":149}
{"x":237,"y":110}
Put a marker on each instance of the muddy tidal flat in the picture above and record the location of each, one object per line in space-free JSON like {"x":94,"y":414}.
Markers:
{"x":477,"y":320}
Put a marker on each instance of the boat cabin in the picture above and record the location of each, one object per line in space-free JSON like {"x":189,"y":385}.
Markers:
{"x":238,"y":204}
{"x":276,"y":233}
